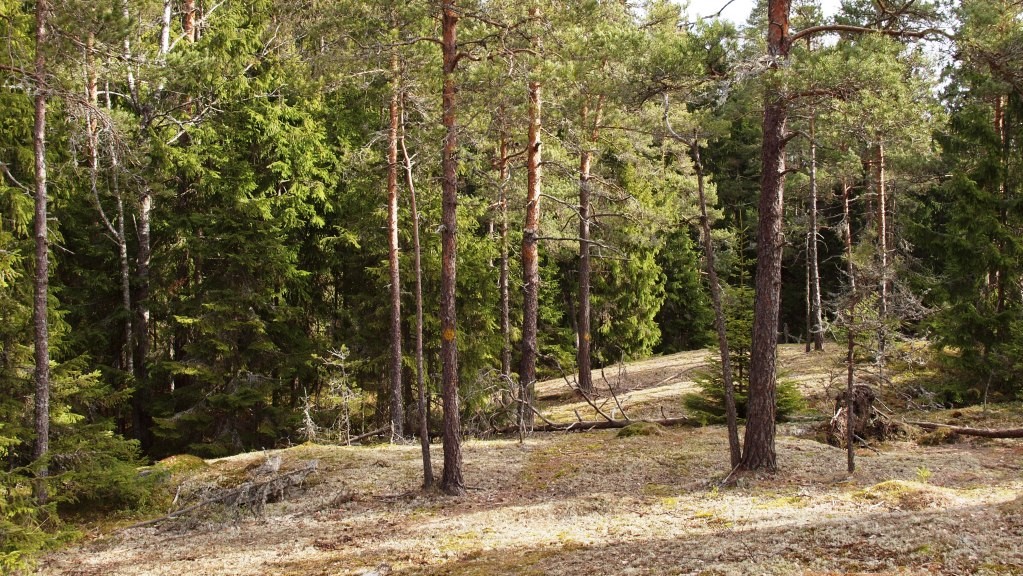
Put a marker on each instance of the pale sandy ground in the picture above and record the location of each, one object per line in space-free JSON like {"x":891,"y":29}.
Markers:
{"x":591,"y":503}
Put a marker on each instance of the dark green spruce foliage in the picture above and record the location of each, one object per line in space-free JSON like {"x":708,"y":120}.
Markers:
{"x":709,"y":404}
{"x":976,"y":251}
{"x":248,"y":185}
{"x":89,"y":465}
{"x":686,"y":319}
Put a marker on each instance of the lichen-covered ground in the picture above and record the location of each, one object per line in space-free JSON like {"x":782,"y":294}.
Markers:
{"x":593,"y":503}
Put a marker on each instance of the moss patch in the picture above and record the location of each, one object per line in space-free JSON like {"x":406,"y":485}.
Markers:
{"x":906,"y":495}
{"x":641,"y":429}
{"x":182,"y":463}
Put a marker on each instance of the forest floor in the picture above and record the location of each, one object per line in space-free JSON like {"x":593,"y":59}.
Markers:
{"x":586,"y":503}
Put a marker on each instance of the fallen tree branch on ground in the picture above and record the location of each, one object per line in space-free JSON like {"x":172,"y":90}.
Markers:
{"x":600,"y":425}
{"x":967,"y":431}
{"x":252,"y":494}
{"x":377,"y":432}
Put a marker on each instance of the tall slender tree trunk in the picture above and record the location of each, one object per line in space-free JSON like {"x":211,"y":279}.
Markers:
{"x":142,"y":314}
{"x":417,"y":266}
{"x":451,"y":479}
{"x":812,"y":259}
{"x":188,"y":10}
{"x":809,"y":323}
{"x":116,"y":228}
{"x":1003,"y":194}
{"x":734,"y":450}
{"x":502,"y":191}
{"x":758,"y":449}
{"x":850,"y":352}
{"x":530,"y":260}
{"x":882,"y":253}
{"x":42,"y":272}
{"x":583,"y":322}
{"x":165,"y":27}
{"x":397,"y":406}
{"x":125,"y":265}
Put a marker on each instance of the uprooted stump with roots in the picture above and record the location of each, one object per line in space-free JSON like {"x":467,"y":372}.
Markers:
{"x":868,"y":423}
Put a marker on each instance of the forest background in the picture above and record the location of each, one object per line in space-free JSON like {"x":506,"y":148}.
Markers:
{"x":208,"y":244}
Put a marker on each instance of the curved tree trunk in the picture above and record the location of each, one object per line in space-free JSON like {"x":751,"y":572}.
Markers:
{"x":424,"y":423}
{"x":451,"y":479}
{"x":734,"y":450}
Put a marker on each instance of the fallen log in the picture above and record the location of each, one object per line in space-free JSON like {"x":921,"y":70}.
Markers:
{"x":967,"y":431}
{"x":377,"y":432}
{"x":598,"y":425}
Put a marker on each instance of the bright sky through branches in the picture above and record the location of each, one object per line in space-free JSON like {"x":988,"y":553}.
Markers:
{"x":739,"y":10}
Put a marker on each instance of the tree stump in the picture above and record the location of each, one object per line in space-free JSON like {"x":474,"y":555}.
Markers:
{"x":868,"y":423}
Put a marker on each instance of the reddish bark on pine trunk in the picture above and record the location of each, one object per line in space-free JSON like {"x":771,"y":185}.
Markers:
{"x":451,"y":478}
{"x":758,"y":448}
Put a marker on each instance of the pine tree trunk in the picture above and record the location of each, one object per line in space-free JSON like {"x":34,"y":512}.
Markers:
{"x":734,"y":450}
{"x":397,"y":406}
{"x":583,"y":321}
{"x":850,"y":352}
{"x":42,"y":278}
{"x":758,"y":449}
{"x":451,"y":480}
{"x":188,"y":20}
{"x":882,"y":252}
{"x":812,"y":259}
{"x":530,"y":260}
{"x":424,"y":422}
{"x":503,"y":178}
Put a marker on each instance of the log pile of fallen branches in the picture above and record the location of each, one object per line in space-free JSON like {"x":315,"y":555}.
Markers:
{"x":265,"y":485}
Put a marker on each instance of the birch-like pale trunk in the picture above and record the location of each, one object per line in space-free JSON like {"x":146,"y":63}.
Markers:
{"x":42,"y":253}
{"x":397,"y":404}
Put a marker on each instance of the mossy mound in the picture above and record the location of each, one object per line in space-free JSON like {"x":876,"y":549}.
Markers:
{"x":906,"y":495}
{"x":641,"y":429}
{"x":180,"y":463}
{"x":937,"y":437}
